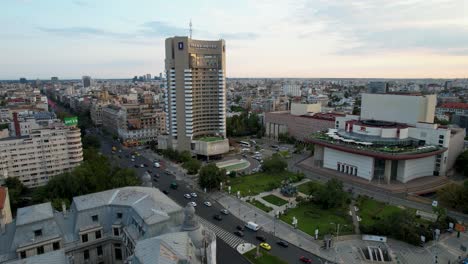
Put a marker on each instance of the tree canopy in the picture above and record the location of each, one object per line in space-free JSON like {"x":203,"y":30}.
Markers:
{"x":210,"y":176}
{"x":245,"y":124}
{"x":330,"y":195}
{"x":461,"y":163}
{"x":274,"y":164}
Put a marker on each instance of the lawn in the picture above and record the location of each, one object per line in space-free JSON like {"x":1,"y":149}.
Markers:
{"x":311,"y":216}
{"x":260,"y":205}
{"x":305,"y":188}
{"x":254,"y":184}
{"x":264,"y":259}
{"x":371,"y":210}
{"x":237,"y":166}
{"x":210,"y":139}
{"x":273,"y":199}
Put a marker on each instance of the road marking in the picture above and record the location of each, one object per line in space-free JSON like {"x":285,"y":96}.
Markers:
{"x":230,"y":239}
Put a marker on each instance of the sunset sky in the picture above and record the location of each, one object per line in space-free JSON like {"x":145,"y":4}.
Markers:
{"x":264,"y":38}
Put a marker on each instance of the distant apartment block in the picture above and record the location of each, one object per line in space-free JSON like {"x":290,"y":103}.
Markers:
{"x":127,"y":225}
{"x":195,"y":96}
{"x":377,"y":87}
{"x":293,"y":90}
{"x":40,"y":155}
{"x":446,"y":110}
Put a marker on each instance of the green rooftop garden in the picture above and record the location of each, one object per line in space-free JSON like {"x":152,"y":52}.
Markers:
{"x":210,"y":139}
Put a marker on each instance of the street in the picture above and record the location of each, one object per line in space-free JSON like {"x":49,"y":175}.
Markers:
{"x":224,"y":229}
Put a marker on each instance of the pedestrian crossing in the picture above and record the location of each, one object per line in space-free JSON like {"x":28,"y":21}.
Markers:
{"x":230,"y":239}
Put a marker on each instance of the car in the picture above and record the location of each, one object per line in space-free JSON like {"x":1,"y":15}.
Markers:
{"x":261,"y":238}
{"x":146,"y":165}
{"x":305,"y":259}
{"x":133,"y":156}
{"x":240,"y":228}
{"x":157,"y":165}
{"x":120,"y":151}
{"x":133,"y":160}
{"x":155,"y":180}
{"x":217,"y":217}
{"x":149,"y":171}
{"x":265,"y":245}
{"x":194,"y":204}
{"x":244,"y":155}
{"x":224,"y":211}
{"x":165,"y":192}
{"x":156,"y":175}
{"x":187,"y":196}
{"x":136,"y":166}
{"x":283,"y":243}
{"x":207,"y":204}
{"x":194,"y":195}
{"x":239,"y":233}
{"x":167,"y":171}
{"x":142,"y":166}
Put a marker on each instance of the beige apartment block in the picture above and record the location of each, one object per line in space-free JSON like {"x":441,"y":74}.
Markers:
{"x":44,"y":153}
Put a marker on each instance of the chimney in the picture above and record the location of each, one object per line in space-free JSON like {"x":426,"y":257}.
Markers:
{"x":17,"y":125}
{"x":64,"y":209}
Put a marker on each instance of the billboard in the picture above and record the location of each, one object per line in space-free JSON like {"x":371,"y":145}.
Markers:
{"x":71,"y":121}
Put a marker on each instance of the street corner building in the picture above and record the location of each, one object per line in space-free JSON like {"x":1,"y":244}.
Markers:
{"x":125,"y":225}
{"x":394,"y":139}
{"x":195,"y":96}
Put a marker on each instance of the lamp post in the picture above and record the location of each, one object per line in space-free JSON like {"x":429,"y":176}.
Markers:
{"x":338,"y":225}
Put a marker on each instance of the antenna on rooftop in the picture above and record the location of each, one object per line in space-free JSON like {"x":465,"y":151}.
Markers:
{"x":190,"y":28}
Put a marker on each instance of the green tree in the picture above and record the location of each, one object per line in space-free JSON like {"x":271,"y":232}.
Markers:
{"x":192,"y":166}
{"x":461,"y":164}
{"x":331,"y":195}
{"x":90,"y":141}
{"x":210,"y":176}
{"x":15,"y":190}
{"x":184,"y":156}
{"x":274,"y":164}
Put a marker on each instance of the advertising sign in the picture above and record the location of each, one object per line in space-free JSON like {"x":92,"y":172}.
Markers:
{"x":71,"y":121}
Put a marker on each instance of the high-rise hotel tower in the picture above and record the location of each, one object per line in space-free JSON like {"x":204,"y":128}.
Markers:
{"x":195,"y":96}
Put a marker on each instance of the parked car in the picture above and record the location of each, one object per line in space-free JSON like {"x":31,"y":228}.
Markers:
{"x":157,"y":165}
{"x":261,"y":238}
{"x":224,"y":211}
{"x":305,"y":260}
{"x":265,"y":246}
{"x":142,"y":166}
{"x":136,"y":166}
{"x":165,"y":192}
{"x":194,"y":204}
{"x":207,"y":204}
{"x":239,"y":233}
{"x":240,"y":228}
{"x":283,"y":243}
{"x":194,"y":195}
{"x":217,"y":217}
{"x":149,"y":171}
{"x":187,"y":196}
{"x":156,"y":175}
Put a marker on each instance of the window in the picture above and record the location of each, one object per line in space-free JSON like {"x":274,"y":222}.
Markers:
{"x":56,"y":245}
{"x":116,"y":231}
{"x":99,"y":250}
{"x":119,"y":215}
{"x":23,"y":254}
{"x":118,"y":254}
{"x":98,"y":234}
{"x":38,"y":232}
{"x":95,"y":218}
{"x":86,"y":254}
{"x":441,"y":141}
{"x":84,"y":238}
{"x":40,"y":250}
{"x":441,"y":137}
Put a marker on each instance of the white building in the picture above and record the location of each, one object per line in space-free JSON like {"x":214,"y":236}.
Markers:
{"x":293,"y":90}
{"x":394,"y":139}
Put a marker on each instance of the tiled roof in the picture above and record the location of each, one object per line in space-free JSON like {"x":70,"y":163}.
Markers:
{"x":454,"y":105}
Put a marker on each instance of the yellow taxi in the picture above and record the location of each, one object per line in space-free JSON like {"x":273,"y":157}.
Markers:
{"x":265,"y":246}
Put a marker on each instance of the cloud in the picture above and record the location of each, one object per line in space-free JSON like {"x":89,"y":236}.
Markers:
{"x":162,"y":29}
{"x":240,"y":36}
{"x":81,"y":31}
{"x":80,"y":3}
{"x":369,"y":26}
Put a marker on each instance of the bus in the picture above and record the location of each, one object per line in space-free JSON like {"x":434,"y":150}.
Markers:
{"x":244,"y":144}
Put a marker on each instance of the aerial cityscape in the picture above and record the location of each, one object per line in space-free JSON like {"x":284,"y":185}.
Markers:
{"x":236,"y":132}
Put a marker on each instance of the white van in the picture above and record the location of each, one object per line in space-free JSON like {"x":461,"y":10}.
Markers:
{"x":252,"y":225}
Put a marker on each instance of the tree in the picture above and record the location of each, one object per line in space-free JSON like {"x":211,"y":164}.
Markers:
{"x":461,"y":164}
{"x":210,"y":176}
{"x":274,"y":164}
{"x":192,"y":166}
{"x":15,"y":190}
{"x":90,"y":141}
{"x":331,"y":195}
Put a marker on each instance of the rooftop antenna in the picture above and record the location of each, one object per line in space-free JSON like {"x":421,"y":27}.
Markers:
{"x":190,"y":30}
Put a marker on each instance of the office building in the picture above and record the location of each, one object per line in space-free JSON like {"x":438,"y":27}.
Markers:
{"x":394,"y":140}
{"x":127,"y":225}
{"x":377,"y":87}
{"x":195,"y":96}
{"x":86,"y":81}
{"x":42,"y":154}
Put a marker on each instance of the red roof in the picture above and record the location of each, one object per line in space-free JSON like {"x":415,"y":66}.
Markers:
{"x":2,"y":197}
{"x":454,"y":105}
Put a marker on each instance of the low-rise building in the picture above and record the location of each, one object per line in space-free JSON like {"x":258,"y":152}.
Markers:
{"x":125,"y":225}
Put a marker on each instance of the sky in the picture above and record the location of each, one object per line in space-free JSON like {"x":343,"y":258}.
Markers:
{"x":264,"y":38}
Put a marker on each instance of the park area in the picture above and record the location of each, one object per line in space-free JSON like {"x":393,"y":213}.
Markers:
{"x":275,"y":200}
{"x":372,"y":211}
{"x":254,"y":184}
{"x":233,"y":164}
{"x":259,"y":205}
{"x":310,"y":217}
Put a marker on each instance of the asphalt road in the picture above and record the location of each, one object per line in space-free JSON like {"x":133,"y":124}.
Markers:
{"x":229,"y":223}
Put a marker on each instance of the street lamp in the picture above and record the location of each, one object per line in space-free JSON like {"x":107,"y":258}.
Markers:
{"x":337,"y":229}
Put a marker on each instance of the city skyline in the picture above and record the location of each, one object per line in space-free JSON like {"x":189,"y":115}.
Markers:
{"x":290,"y":39}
